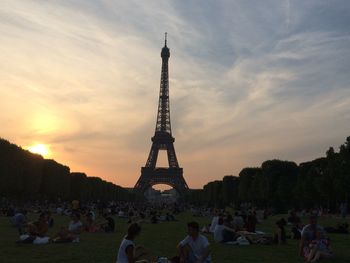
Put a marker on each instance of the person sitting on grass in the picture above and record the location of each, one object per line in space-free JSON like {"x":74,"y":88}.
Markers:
{"x":109,"y":225}
{"x":251,"y":222}
{"x":90,"y":224}
{"x":238,"y":222}
{"x":307,"y":235}
{"x":169,"y":217}
{"x":70,"y":234}
{"x":293,"y":218}
{"x":195,"y":248}
{"x":19,"y":221}
{"x":223,"y":233}
{"x":280,"y":237}
{"x":127,"y":252}
{"x":319,"y":248}
{"x":214,"y":221}
{"x":50,"y":219}
{"x":36,"y":230}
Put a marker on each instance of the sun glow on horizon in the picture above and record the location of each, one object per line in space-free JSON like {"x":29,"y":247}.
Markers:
{"x":41,"y":149}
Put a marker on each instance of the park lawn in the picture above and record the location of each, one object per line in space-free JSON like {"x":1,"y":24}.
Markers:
{"x":160,"y":240}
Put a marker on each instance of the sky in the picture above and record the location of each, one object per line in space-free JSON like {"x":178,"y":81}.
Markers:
{"x":249,"y":81}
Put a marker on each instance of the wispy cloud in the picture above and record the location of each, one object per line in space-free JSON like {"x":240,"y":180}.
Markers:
{"x":249,"y":81}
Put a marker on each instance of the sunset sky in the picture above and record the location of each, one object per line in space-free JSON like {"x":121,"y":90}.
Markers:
{"x":249,"y":81}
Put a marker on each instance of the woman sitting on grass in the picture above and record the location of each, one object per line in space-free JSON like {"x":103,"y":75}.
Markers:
{"x":36,"y":230}
{"x":128,"y":253}
{"x":71,"y":234}
{"x":319,"y":248}
{"x":90,"y":224}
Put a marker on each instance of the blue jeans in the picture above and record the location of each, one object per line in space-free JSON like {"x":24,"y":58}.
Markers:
{"x":192,"y":258}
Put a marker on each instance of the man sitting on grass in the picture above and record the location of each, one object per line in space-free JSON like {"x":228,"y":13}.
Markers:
{"x":19,"y":221}
{"x":71,"y":234}
{"x":195,"y":247}
{"x":223,"y":233}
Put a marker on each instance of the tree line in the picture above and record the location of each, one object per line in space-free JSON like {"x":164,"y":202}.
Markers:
{"x":323,"y":182}
{"x":28,"y":176}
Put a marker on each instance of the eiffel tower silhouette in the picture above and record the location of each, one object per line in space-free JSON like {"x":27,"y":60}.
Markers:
{"x":162,"y":140}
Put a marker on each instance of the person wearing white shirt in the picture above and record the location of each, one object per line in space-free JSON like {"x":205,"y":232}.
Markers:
{"x":195,"y":248}
{"x":213,"y":224}
{"x":219,"y":232}
{"x":127,"y":252}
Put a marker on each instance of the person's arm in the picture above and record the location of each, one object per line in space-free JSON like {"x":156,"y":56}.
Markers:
{"x":180,"y":250}
{"x":301,"y":245}
{"x":205,"y":254}
{"x":130,"y":254}
{"x":139,"y":251}
{"x":229,"y":229}
{"x":279,"y":236}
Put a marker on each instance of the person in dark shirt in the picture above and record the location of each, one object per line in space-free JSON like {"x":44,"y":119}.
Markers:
{"x":251,"y":223}
{"x":109,"y":226}
{"x":280,"y":236}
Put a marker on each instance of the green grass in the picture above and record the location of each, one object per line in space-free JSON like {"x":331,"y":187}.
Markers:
{"x":160,"y":240}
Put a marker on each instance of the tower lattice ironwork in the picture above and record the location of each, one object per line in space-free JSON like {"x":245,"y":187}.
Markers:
{"x":162,"y":140}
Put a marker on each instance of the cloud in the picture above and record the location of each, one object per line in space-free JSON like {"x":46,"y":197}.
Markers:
{"x":249,"y":81}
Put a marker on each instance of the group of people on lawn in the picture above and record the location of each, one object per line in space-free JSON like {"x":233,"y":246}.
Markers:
{"x":37,"y":232}
{"x":195,"y":248}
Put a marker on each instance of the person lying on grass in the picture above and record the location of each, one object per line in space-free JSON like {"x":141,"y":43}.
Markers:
{"x":127,"y":252}
{"x":70,"y":234}
{"x":195,"y":248}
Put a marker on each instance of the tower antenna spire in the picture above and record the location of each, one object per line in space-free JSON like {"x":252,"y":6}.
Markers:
{"x":166,"y":37}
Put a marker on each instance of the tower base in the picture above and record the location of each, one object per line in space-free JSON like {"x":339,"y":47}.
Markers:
{"x":169,"y":176}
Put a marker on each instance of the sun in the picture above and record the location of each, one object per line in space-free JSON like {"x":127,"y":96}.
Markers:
{"x":41,"y":149}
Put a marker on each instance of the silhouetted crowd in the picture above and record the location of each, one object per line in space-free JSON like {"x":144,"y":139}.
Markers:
{"x":231,"y":228}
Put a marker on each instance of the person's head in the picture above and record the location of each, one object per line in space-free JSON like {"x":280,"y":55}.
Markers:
{"x":313,"y":220}
{"x":43,"y":217}
{"x":193,"y":229}
{"x":134,"y":230}
{"x":281,"y":222}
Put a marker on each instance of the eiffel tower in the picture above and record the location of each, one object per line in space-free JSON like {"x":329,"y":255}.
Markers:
{"x":162,"y":140}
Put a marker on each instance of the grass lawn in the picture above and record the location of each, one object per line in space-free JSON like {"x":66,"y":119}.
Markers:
{"x":160,"y":240}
